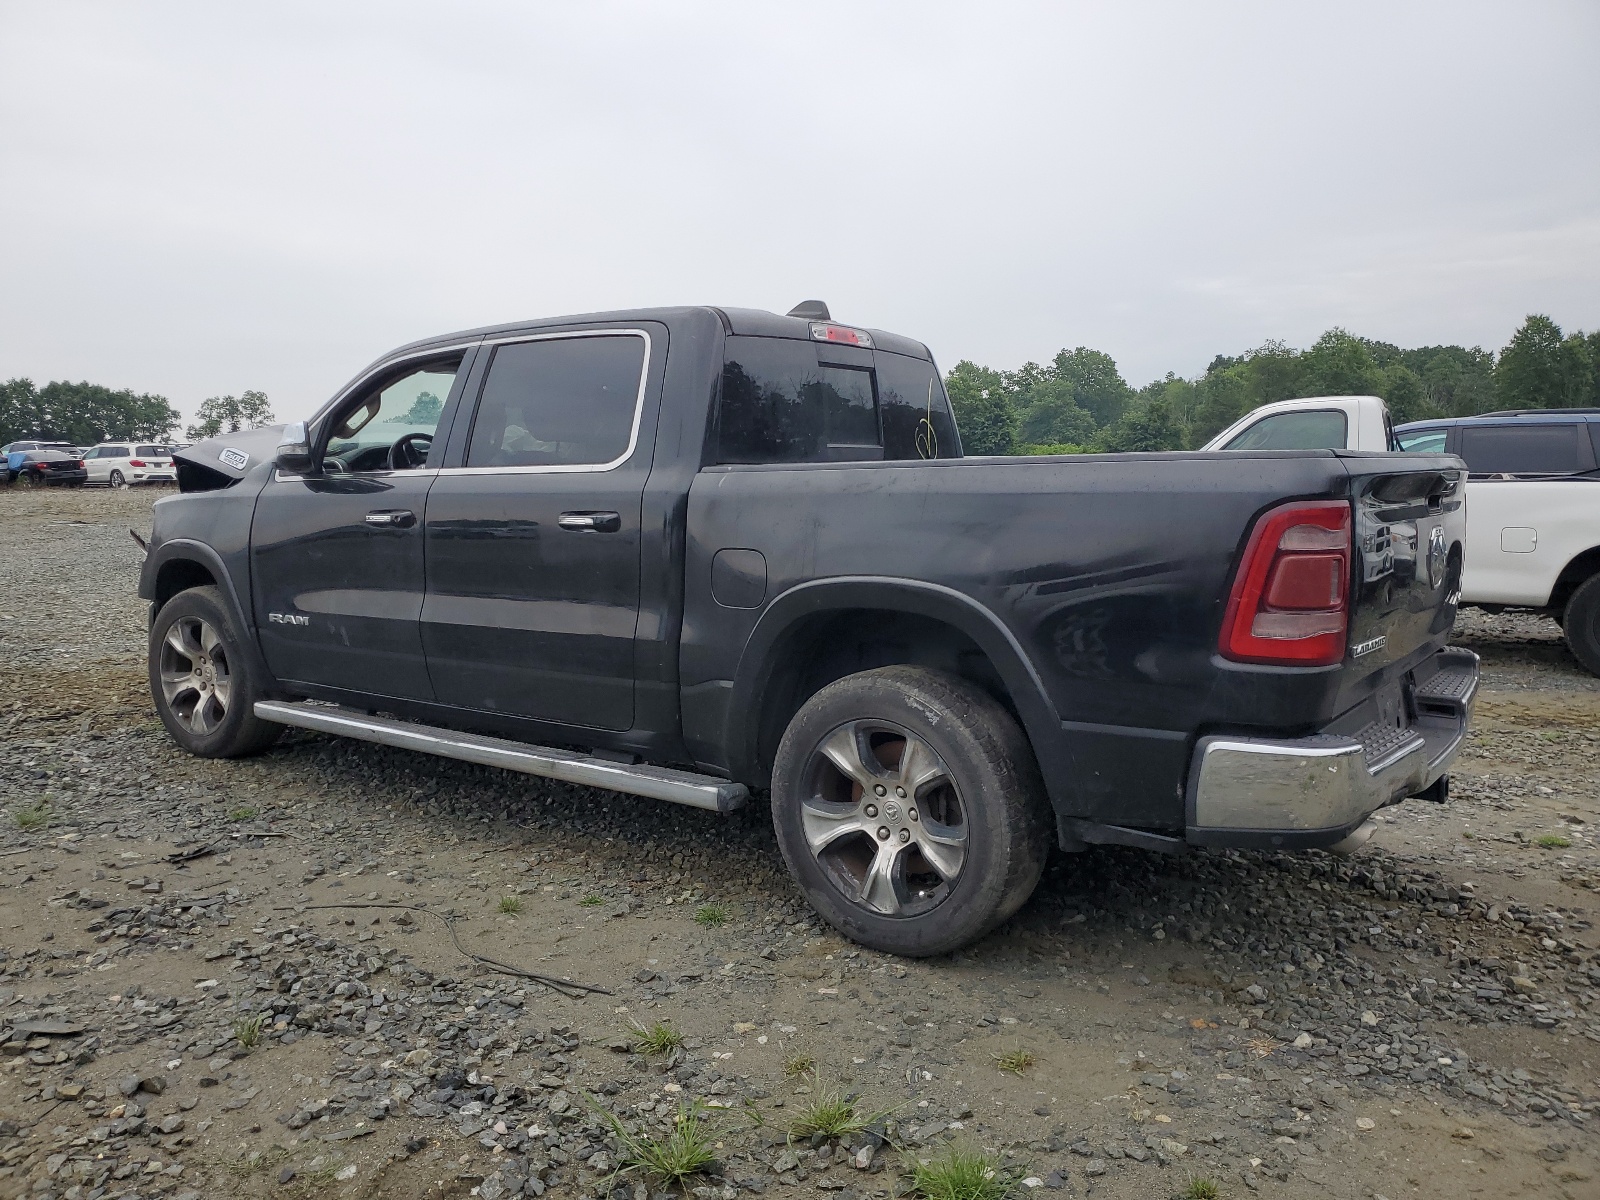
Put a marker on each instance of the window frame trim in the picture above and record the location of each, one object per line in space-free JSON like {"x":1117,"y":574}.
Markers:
{"x":560,"y":468}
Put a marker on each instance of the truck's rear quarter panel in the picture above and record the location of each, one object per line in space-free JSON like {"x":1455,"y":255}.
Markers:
{"x":1108,"y":573}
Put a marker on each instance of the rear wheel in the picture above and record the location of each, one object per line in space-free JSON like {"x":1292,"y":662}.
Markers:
{"x":1580,"y":622}
{"x":909,"y":808}
{"x":28,"y":479}
{"x":201,"y":681}
{"x":117,"y":480}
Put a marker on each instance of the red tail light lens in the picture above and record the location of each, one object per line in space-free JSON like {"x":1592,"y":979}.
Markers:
{"x":1290,"y":599}
{"x":136,"y":462}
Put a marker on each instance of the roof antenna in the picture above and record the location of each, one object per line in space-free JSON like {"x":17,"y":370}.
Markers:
{"x":811,"y":310}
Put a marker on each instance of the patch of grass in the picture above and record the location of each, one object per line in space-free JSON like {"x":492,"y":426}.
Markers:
{"x":592,"y":901}
{"x":1261,"y":1045}
{"x":1201,"y":1187}
{"x":958,"y":1174}
{"x":1553,"y":841}
{"x":1016,"y":1061}
{"x":257,"y":1161}
{"x":712,"y":916}
{"x":248,"y":1030}
{"x":830,"y":1112}
{"x":34,"y":816}
{"x":659,"y":1038}
{"x":666,"y":1161}
{"x":243,"y":813}
{"x":511,"y":905}
{"x":796,"y":1065}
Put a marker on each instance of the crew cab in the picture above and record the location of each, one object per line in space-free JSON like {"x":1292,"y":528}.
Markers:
{"x":692,"y":553}
{"x":1533,"y":513}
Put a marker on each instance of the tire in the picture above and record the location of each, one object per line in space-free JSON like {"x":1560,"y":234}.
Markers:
{"x":28,"y":479}
{"x":117,"y":480}
{"x":930,"y":867}
{"x":1580,"y":623}
{"x":201,"y":680}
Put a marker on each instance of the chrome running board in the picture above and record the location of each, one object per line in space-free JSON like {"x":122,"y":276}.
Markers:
{"x":659,"y":783}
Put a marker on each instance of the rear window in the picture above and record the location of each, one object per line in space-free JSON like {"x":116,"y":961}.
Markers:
{"x":148,"y":451}
{"x":780,"y":404}
{"x":1322,"y":429}
{"x":1525,"y":450}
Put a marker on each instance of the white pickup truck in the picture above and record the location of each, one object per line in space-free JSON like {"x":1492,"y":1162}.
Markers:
{"x":1533,"y":495}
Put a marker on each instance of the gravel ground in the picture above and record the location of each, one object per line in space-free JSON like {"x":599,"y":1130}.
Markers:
{"x":197,"y":997}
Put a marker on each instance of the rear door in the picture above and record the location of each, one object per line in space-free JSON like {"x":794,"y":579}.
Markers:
{"x":533,"y":530}
{"x":337,"y":556}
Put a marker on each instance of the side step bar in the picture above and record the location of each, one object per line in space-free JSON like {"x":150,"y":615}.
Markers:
{"x":659,"y":783}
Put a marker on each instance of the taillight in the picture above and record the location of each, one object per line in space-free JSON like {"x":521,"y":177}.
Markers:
{"x":827,"y":331}
{"x":136,"y":462}
{"x":1290,"y":600}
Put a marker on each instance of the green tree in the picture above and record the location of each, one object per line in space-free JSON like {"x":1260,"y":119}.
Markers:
{"x":1053,"y":416}
{"x":983,"y":409}
{"x":1532,"y":371}
{"x":424,"y":410}
{"x":1097,"y":386}
{"x":230,"y":414}
{"x":1339,"y":364}
{"x":82,"y":413}
{"x":1148,"y":424}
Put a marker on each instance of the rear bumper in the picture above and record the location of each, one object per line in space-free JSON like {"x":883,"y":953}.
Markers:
{"x":1318,"y":791}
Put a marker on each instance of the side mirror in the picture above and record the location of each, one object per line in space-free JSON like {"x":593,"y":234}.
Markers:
{"x":294,"y":451}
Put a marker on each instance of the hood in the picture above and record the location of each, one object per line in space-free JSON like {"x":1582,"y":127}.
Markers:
{"x":233,"y":455}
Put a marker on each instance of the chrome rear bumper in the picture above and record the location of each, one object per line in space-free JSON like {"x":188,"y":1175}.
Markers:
{"x":1318,"y":791}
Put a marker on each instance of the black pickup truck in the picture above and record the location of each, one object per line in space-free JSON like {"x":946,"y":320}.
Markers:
{"x":690,"y":552}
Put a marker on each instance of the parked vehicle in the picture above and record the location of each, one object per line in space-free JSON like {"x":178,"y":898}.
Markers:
{"x":127,"y":464}
{"x":40,"y":468}
{"x":11,"y":454}
{"x":1533,"y":504}
{"x":690,"y":552}
{"x":1311,"y":423}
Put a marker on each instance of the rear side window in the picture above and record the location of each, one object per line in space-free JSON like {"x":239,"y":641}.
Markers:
{"x":1323,"y":429}
{"x":916,"y":414}
{"x":559,"y":402}
{"x":1524,"y":450}
{"x":1427,"y":441}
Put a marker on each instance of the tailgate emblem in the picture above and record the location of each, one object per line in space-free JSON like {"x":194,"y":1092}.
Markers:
{"x":1436,"y":556}
{"x":1367,"y":647}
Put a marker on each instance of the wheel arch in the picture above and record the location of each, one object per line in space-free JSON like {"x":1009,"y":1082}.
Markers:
{"x":822,"y":630}
{"x":179,"y":564}
{"x":1580,"y":568}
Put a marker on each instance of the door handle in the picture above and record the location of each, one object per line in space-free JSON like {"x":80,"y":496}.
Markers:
{"x":392,"y":518}
{"x":590,"y":522}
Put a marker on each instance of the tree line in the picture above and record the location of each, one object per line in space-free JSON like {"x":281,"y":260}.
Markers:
{"x":1079,"y":403}
{"x":87,"y":413}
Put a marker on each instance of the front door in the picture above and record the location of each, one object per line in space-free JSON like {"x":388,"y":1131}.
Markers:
{"x":337,"y":556}
{"x":533,"y":540}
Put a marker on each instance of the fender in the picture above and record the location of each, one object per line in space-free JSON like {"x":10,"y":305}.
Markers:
{"x":187,"y":550}
{"x":1040,"y":721}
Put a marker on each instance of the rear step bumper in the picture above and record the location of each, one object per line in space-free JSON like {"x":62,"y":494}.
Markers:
{"x":659,"y":783}
{"x":1319,"y":791}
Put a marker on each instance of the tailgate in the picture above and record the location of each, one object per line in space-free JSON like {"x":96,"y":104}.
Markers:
{"x":1410,"y":525}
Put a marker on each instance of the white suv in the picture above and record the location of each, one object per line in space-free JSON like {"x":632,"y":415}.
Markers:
{"x":122,"y":464}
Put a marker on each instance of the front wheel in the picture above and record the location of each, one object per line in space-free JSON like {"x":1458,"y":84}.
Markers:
{"x":1580,"y":623}
{"x":201,"y":681}
{"x":910,"y":810}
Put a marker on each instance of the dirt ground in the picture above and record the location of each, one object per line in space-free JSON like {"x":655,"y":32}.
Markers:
{"x":194,"y":1001}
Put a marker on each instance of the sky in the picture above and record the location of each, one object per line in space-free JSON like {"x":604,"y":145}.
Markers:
{"x":199,"y":198}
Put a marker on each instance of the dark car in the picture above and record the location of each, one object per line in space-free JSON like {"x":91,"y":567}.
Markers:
{"x":690,"y":553}
{"x":40,"y":468}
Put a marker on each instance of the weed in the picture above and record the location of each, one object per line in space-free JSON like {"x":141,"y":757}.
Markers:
{"x":711,"y":916}
{"x":957,"y":1174}
{"x":248,"y":1030}
{"x":35,"y":816}
{"x":592,"y":901}
{"x":829,"y":1112}
{"x":1016,"y":1061}
{"x":257,"y":1161}
{"x":669,"y":1160}
{"x":1261,"y":1045}
{"x":243,"y":813}
{"x":1553,"y":841}
{"x":796,"y":1065}
{"x":659,"y":1038}
{"x":1201,"y":1187}
{"x":511,"y":905}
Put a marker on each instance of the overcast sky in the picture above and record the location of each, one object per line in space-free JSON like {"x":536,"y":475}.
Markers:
{"x":197,"y":199}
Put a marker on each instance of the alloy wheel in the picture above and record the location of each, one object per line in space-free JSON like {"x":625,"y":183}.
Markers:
{"x":195,"y":680}
{"x":884,"y":819}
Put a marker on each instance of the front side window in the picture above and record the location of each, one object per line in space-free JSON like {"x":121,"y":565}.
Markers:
{"x":392,"y":426}
{"x":559,"y":402}
{"x":1321,"y":429}
{"x":1427,"y":441}
{"x":1524,"y":450}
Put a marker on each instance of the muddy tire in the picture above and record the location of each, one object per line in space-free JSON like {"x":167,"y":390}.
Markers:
{"x":202,"y":681}
{"x":910,"y":810}
{"x":1580,"y":623}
